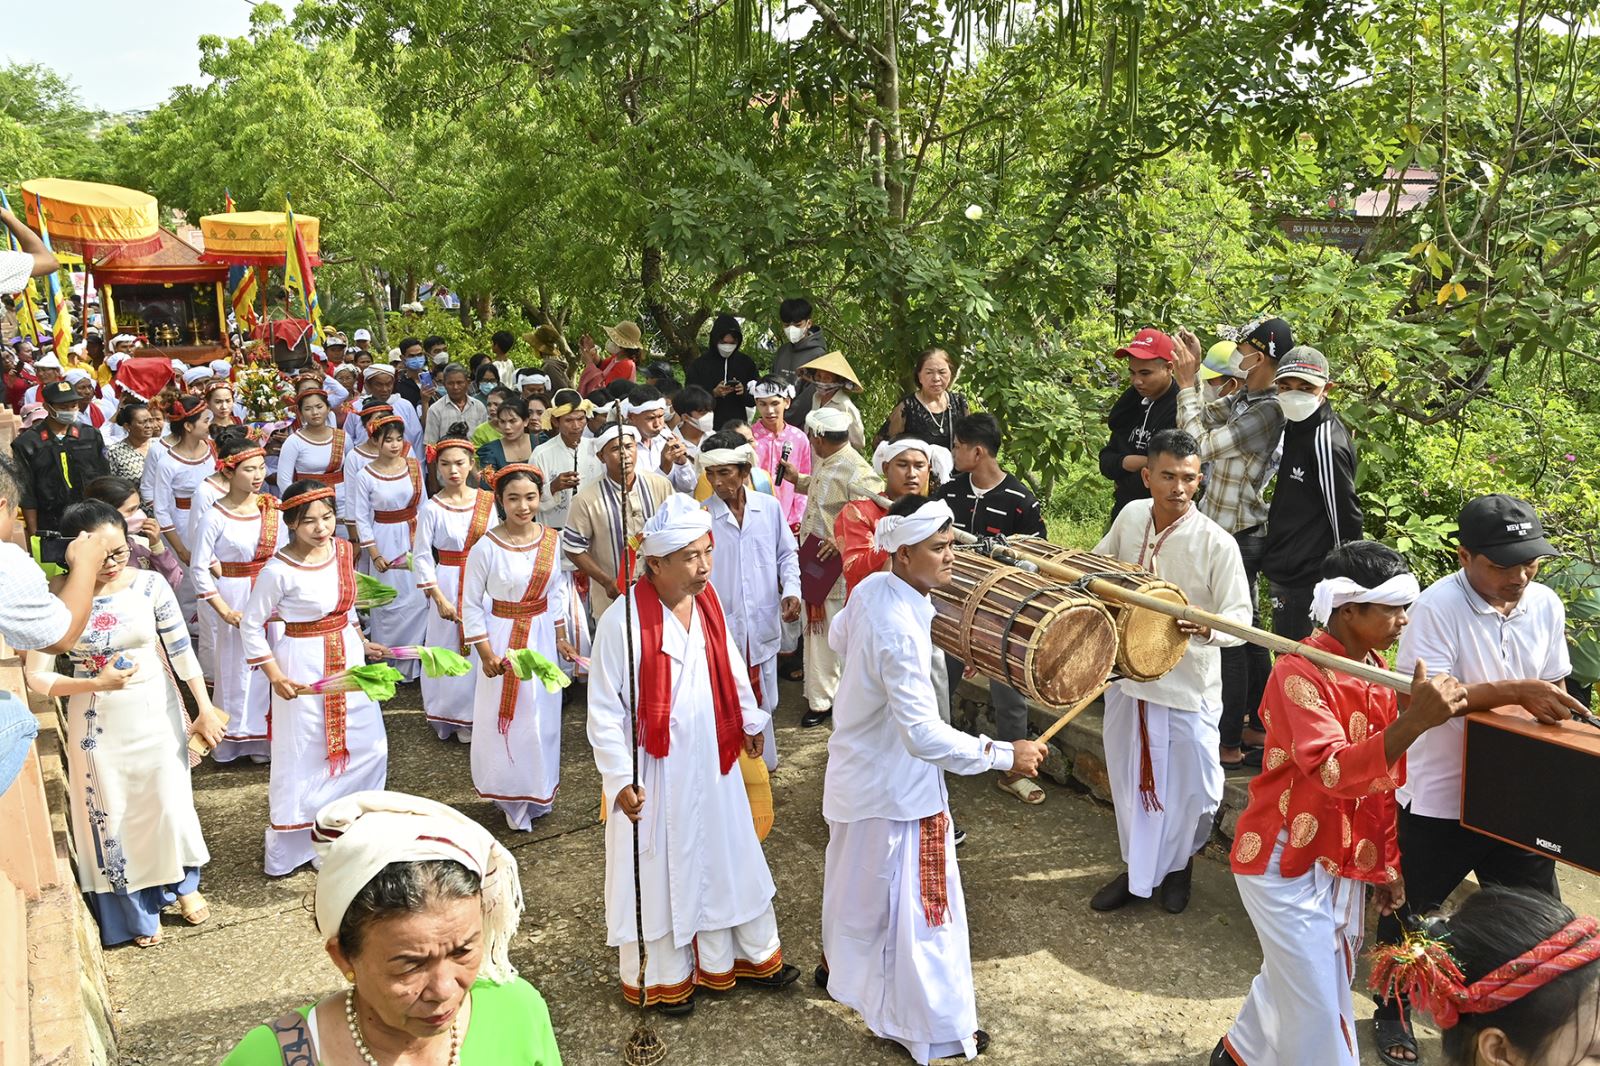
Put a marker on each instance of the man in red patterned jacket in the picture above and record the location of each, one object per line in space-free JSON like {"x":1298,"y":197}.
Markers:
{"x":1320,"y":824}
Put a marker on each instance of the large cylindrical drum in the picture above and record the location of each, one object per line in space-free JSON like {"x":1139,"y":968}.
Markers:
{"x":1149,"y":643}
{"x":1049,"y":642}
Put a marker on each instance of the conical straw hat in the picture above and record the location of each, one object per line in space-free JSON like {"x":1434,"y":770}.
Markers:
{"x":834,"y":363}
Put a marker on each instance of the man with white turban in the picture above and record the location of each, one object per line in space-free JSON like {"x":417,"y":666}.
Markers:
{"x":1161,"y":736}
{"x":894,"y":923}
{"x":705,"y":887}
{"x":595,"y":537}
{"x":660,"y":448}
{"x":837,"y":472}
{"x":756,"y":568}
{"x":378,"y":381}
{"x":194,"y":377}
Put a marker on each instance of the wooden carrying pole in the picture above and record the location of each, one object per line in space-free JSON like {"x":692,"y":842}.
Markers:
{"x":1110,"y":590}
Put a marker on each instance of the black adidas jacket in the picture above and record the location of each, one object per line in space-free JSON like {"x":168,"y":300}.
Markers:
{"x":1314,"y":507}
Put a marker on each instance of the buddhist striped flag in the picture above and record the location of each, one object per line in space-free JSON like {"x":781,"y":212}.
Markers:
{"x":60,"y":313}
{"x":297,"y":272}
{"x":28,"y":320}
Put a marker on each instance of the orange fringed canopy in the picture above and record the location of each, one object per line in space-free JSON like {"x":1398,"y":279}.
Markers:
{"x":255,"y":238}
{"x":93,"y":219}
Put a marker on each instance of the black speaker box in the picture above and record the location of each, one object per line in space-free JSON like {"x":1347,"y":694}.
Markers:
{"x":1535,"y":786}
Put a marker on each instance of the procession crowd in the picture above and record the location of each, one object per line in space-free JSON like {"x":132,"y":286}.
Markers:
{"x":660,"y":555}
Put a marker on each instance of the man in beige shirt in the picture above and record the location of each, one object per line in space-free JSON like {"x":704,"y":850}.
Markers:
{"x":604,"y":513}
{"x":837,"y":472}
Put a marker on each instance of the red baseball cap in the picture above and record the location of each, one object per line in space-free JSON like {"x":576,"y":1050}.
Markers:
{"x":1148,"y":344}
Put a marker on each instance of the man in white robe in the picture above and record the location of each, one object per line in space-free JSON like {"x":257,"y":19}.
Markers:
{"x":379,"y":382}
{"x":755,"y":568}
{"x":894,"y":924}
{"x":706,"y":890}
{"x":1161,"y":736}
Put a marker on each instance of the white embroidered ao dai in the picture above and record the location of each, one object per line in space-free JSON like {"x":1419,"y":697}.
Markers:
{"x":231,"y":542}
{"x":304,"y":778}
{"x":304,"y":460}
{"x":707,"y":892}
{"x":438,"y":559}
{"x":133,"y":819}
{"x":514,"y":594}
{"x":206,"y":621}
{"x":385,"y":508}
{"x":173,"y":483}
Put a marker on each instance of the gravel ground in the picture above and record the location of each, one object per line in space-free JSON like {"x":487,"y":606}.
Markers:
{"x":1056,"y":983}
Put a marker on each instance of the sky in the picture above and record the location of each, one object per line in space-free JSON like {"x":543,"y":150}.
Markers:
{"x":122,"y":55}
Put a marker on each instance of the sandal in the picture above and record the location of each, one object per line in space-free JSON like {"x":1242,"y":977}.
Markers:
{"x":1022,"y":789}
{"x":1394,"y":1033}
{"x":194,"y":908}
{"x":147,"y":941}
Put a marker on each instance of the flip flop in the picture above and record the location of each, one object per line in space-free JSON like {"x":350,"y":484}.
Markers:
{"x":1021,"y":789}
{"x":147,"y":941}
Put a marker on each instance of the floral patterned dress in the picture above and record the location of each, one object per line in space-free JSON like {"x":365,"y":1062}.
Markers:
{"x":132,"y":810}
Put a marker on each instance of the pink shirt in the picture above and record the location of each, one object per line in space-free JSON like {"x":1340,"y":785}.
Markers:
{"x":769,"y":449}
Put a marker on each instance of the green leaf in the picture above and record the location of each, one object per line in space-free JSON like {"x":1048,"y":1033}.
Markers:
{"x":528,"y":664}
{"x":443,"y":662}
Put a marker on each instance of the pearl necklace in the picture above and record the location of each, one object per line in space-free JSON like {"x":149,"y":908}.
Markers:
{"x":361,"y":1043}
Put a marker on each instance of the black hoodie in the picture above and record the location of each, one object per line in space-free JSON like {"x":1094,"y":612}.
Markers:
{"x":1133,"y":421}
{"x":788,"y":360}
{"x":1314,"y":507}
{"x":711,"y":370}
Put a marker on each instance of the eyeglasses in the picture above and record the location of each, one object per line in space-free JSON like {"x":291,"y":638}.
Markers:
{"x":119,"y":556}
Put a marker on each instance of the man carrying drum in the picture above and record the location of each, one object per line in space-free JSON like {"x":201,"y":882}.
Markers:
{"x":1161,"y":735}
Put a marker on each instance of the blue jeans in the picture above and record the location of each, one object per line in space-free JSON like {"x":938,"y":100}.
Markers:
{"x":1245,"y":668}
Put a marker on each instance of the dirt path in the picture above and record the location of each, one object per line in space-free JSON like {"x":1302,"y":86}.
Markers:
{"x":1056,"y":983}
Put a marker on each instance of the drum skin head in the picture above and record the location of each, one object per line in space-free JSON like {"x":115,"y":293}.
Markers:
{"x":1150,"y":643}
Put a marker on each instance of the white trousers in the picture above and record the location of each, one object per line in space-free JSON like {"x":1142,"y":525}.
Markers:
{"x":1188,"y":780}
{"x":909,"y":981}
{"x":714,"y":959}
{"x":1300,"y":1011}
{"x":768,"y":672}
{"x":823,"y":667}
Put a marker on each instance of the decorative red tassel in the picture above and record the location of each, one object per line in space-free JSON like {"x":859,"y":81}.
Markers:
{"x":1147,"y":770}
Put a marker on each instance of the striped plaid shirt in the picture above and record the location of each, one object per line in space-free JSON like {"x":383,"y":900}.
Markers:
{"x":1237,"y":438}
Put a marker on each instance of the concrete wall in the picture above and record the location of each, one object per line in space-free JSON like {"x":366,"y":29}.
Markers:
{"x":55,"y":1009}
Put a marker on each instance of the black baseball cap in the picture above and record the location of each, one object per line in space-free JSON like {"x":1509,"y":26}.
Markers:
{"x":1505,"y":529}
{"x":59,"y":394}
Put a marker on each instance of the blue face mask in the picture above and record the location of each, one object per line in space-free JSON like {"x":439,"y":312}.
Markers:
{"x":486,"y":387}
{"x":416,"y":362}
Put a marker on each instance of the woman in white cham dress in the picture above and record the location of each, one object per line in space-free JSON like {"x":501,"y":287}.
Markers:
{"x":315,"y":451}
{"x":211,"y":488}
{"x":513,"y":599}
{"x":233,"y":541}
{"x":132,"y":810}
{"x":356,"y":460}
{"x":178,"y":473}
{"x":323,"y":747}
{"x":385,"y":499}
{"x":451,"y":522}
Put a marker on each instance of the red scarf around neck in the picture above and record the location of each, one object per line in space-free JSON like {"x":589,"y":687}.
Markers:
{"x":655,"y":676}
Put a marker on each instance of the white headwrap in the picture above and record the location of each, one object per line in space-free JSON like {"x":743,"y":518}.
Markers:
{"x":679,"y":521}
{"x":744,"y":455}
{"x":376,"y":369}
{"x":196,"y":374}
{"x":75,"y":375}
{"x":827,"y":420}
{"x":529,"y":376}
{"x":609,"y":434}
{"x":123,"y":338}
{"x":116,"y":359}
{"x":357,"y":835}
{"x":767,"y":390}
{"x":221,"y":367}
{"x":940,"y":461}
{"x":629,"y":408}
{"x":1333,"y":593}
{"x":894,"y":532}
{"x":178,"y":366}
{"x":603,"y":410}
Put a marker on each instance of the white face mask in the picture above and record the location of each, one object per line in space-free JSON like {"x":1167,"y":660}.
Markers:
{"x":1298,"y":406}
{"x":703,"y":423}
{"x":727,"y":349}
{"x":794,"y":333}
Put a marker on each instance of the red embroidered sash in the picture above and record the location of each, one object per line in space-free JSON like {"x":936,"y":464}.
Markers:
{"x":334,"y":474}
{"x":522,"y":613}
{"x":477,"y":526}
{"x":655,"y":676}
{"x":330,"y":627}
{"x":408,"y":513}
{"x":931,"y":869}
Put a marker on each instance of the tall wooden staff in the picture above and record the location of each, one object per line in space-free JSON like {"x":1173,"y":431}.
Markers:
{"x":644,"y":1046}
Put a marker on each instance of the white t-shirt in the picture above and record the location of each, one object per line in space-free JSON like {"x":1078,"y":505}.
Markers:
{"x":1454,"y":631}
{"x":15,"y":270}
{"x":30,"y":617}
